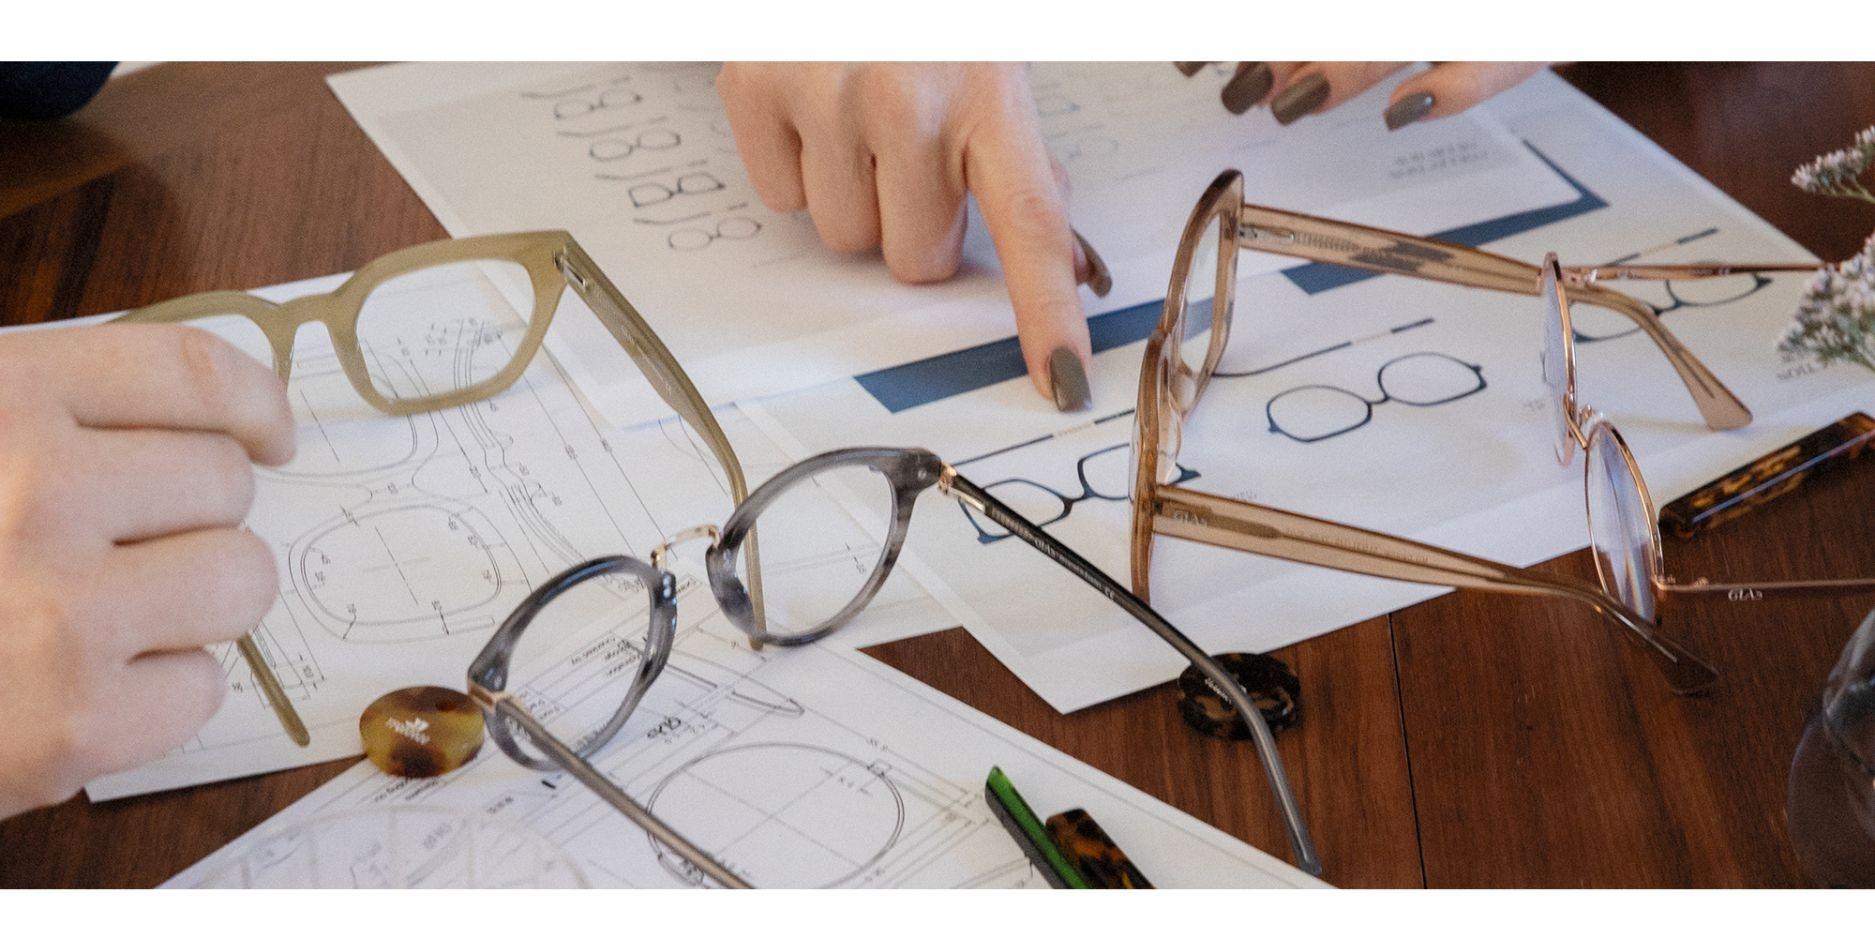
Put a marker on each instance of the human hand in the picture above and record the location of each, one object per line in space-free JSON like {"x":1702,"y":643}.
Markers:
{"x":882,"y":155}
{"x":1295,"y":90}
{"x":124,"y":479}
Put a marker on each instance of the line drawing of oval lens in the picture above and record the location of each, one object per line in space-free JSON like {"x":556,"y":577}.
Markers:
{"x":1318,"y":412}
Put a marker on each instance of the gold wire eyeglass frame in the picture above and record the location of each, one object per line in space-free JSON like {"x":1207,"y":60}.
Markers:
{"x":554,"y":262}
{"x":1586,"y":428}
{"x":1169,"y":389}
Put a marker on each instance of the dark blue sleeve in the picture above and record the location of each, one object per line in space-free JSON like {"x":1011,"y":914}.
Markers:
{"x":49,"y":90}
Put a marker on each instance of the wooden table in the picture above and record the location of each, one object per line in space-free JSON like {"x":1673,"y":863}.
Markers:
{"x":1468,"y":741}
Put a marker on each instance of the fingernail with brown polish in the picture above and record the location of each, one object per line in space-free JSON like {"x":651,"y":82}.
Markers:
{"x":1098,"y":279}
{"x":1247,"y":87}
{"x":1409,"y":110}
{"x":1300,"y":99}
{"x":1068,"y":378}
{"x":1189,"y":69}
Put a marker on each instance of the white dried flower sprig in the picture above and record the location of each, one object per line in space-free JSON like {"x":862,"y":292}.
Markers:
{"x":1835,"y":322}
{"x":1842,"y":172}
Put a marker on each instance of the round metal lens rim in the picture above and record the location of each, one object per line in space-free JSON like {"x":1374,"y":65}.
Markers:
{"x":1603,"y":433}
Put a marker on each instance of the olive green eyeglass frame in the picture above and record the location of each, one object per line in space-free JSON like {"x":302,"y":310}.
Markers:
{"x":554,"y":261}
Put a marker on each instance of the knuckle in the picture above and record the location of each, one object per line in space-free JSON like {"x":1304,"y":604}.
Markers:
{"x":208,"y":364}
{"x":846,"y":233}
{"x":233,"y":477}
{"x":924,"y":265}
{"x":250,"y":580}
{"x":1036,"y":211}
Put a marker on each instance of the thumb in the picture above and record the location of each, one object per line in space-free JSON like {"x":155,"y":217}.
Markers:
{"x":1007,"y":167}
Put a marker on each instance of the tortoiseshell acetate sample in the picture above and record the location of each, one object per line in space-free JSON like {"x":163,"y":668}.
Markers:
{"x":1749,"y":487}
{"x":419,"y":732}
{"x":1094,"y":853}
{"x":1275,"y":688}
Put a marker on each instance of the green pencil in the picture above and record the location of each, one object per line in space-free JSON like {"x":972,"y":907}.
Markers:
{"x":1029,"y":833}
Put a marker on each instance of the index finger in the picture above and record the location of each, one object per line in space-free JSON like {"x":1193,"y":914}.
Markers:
{"x":1006,"y":166}
{"x":129,"y":376}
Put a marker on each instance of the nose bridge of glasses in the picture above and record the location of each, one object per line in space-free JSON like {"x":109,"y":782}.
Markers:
{"x":661,"y":555}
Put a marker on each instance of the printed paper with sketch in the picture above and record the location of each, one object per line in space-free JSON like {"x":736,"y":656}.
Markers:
{"x":1391,"y":403}
{"x":403,"y":540}
{"x":638,"y":161}
{"x":796,"y":767}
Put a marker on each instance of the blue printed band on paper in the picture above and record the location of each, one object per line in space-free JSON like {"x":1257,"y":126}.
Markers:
{"x":914,"y":384}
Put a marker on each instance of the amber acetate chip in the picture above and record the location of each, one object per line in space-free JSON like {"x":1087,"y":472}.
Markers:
{"x":419,"y":732}
{"x":1269,"y":682}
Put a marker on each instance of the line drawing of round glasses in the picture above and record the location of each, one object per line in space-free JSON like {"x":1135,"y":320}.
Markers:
{"x":1110,"y":469}
{"x":1425,"y":378}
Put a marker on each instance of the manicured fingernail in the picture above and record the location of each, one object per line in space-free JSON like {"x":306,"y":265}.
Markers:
{"x":1300,"y":99}
{"x":1189,"y":69}
{"x":1097,"y":278}
{"x":1068,"y":378}
{"x":1409,"y":110}
{"x":1247,"y":87}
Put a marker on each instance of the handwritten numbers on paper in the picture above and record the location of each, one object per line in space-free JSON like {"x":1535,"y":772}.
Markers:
{"x":646,"y":147}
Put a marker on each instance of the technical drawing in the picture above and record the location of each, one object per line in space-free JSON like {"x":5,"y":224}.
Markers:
{"x":399,"y":846}
{"x":833,"y":815}
{"x":408,"y":572}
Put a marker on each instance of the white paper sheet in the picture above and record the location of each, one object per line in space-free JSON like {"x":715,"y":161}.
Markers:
{"x":637,"y":160}
{"x":403,"y":541}
{"x":799,"y":767}
{"x":1475,"y":473}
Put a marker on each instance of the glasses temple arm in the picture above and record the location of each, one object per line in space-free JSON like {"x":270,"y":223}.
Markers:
{"x":1301,"y":843}
{"x":1391,"y":252}
{"x":668,"y":378}
{"x":1588,"y":274}
{"x":1767,"y":590}
{"x":605,"y":789}
{"x":1243,"y":526}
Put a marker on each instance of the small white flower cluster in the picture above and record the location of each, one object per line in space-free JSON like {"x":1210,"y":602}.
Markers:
{"x":1835,"y":323}
{"x":1840,"y":172}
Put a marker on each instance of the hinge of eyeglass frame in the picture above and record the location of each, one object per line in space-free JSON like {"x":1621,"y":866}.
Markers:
{"x":485,"y":697}
{"x":1249,"y":232}
{"x":570,"y":272}
{"x":946,"y":485}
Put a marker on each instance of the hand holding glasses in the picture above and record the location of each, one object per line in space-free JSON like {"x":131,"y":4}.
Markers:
{"x":481,"y":305}
{"x":561,"y":677}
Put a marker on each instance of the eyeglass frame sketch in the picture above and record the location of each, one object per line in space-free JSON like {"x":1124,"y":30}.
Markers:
{"x":1386,"y":396}
{"x":910,"y":472}
{"x":1168,"y":392}
{"x":553,"y":261}
{"x":1088,"y":493}
{"x":1758,"y":283}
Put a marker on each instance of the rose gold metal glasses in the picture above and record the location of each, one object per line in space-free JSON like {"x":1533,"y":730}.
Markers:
{"x":409,"y":303}
{"x":1191,"y":337}
{"x":1624,"y":535}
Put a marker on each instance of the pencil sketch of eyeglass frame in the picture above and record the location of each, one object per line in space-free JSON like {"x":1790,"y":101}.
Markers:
{"x":907,"y":473}
{"x":551,"y":262}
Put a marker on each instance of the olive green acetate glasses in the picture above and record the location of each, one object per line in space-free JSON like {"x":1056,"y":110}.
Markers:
{"x":393,"y":306}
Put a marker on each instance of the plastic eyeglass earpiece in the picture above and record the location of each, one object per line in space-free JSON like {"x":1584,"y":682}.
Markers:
{"x":1275,"y":688}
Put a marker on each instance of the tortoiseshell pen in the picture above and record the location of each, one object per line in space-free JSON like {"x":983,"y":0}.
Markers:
{"x":1752,"y":485}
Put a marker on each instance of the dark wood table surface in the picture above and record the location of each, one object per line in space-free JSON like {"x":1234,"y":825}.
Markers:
{"x":1471,"y":740}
